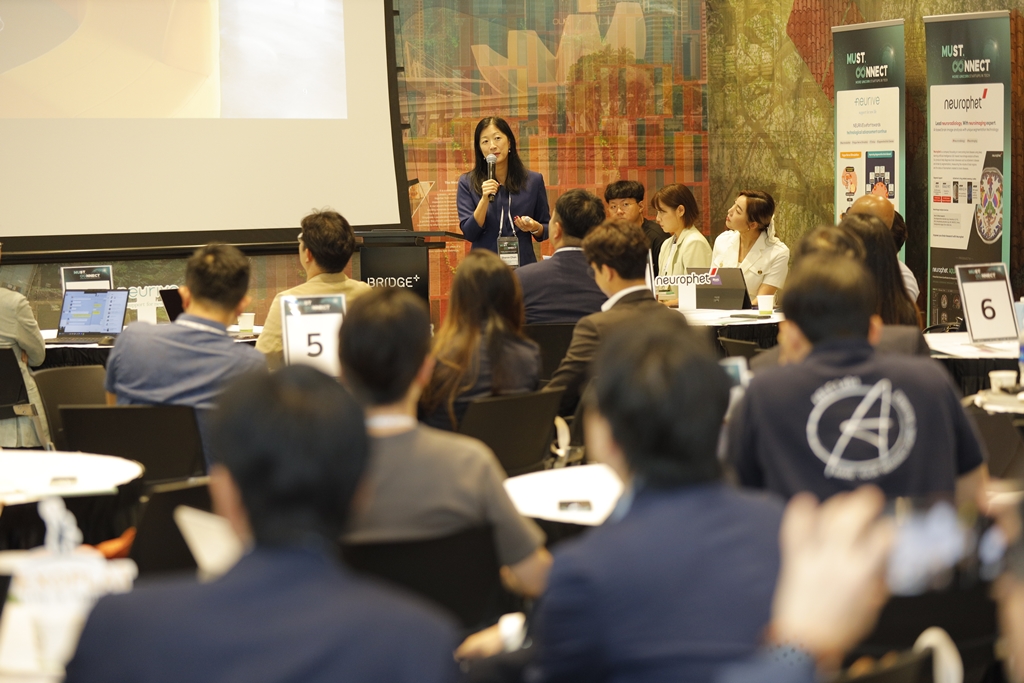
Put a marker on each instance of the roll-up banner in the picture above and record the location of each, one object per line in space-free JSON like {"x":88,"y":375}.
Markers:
{"x":870,"y":121}
{"x":969,"y":150}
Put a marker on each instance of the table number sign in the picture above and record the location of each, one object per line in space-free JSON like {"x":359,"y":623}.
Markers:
{"x":311,"y":325}
{"x":987,"y":301}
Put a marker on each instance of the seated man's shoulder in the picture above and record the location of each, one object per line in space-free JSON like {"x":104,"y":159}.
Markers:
{"x":457,"y":449}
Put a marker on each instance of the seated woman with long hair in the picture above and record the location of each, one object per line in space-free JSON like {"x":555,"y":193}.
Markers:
{"x":480,"y":348}
{"x":894,"y":304}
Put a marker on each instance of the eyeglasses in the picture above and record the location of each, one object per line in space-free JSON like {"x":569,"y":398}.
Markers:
{"x":622,"y":204}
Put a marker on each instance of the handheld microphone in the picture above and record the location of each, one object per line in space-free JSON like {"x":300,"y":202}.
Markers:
{"x":491,"y":161}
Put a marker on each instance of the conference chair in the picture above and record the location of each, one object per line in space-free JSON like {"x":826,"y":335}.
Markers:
{"x":553,"y":339}
{"x":517,"y":427}
{"x":14,"y":401}
{"x":78,"y":385}
{"x":458,"y":572}
{"x":909,"y":667}
{"x":1003,"y":442}
{"x":159,"y":547}
{"x":165,"y":439}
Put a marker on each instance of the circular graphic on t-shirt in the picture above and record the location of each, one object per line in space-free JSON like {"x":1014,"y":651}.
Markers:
{"x":989,"y":212}
{"x":869,"y":428}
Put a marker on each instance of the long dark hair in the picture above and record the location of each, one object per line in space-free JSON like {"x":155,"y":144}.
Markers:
{"x":486,"y":302}
{"x":894,"y":304}
{"x":516,"y":178}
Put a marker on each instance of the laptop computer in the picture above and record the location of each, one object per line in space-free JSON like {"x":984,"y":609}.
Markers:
{"x":172,"y":303}
{"x":91,"y":316}
{"x":727,"y":289}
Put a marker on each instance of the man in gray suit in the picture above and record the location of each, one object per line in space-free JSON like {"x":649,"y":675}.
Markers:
{"x":19,"y":331}
{"x":617,"y":254}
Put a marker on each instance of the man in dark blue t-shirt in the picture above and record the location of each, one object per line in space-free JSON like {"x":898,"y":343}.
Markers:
{"x":846,"y":415}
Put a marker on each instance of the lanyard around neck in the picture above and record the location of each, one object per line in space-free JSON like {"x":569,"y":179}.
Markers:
{"x":501,"y":224}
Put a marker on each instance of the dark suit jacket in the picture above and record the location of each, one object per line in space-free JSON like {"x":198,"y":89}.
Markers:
{"x":682,"y":584}
{"x":895,"y":339}
{"x":574,"y":369}
{"x":281,"y":614}
{"x":656,"y":236}
{"x":559,"y":289}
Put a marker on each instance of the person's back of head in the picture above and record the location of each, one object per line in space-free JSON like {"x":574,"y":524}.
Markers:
{"x":624,"y":189}
{"x":899,"y":230}
{"x":578,"y":213}
{"x":894,"y":305}
{"x":384,"y":340}
{"x":829,"y":239}
{"x":874,"y":205}
{"x":619,"y":245}
{"x":830,"y":297}
{"x":329,"y":238}
{"x":218,"y":274}
{"x":664,"y":396}
{"x":295,"y":444}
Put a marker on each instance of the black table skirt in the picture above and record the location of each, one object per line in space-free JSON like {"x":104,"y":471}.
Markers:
{"x":971,"y":374}
{"x":66,"y":356}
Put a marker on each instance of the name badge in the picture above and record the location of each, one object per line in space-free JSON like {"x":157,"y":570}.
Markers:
{"x":508,"y":250}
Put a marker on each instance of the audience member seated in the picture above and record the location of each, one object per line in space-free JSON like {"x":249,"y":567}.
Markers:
{"x":326,"y":244}
{"x":750,"y":243}
{"x":617,"y":254}
{"x":894,"y":305}
{"x":847,"y":415}
{"x":189,"y":361}
{"x":678,"y":214}
{"x":679,"y":580}
{"x":625,"y":200}
{"x":19,"y":331}
{"x":883,"y":209}
{"x":480,"y":348}
{"x":558,"y":289}
{"x":422,"y":482}
{"x":291,"y":448}
{"x":899,"y":238}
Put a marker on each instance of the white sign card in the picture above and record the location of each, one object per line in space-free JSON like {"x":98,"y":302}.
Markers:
{"x":311,"y":325}
{"x":987,"y":302}
{"x":86,"y":277}
{"x":682,"y":287}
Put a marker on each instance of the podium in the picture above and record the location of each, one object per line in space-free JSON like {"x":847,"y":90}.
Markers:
{"x":400,"y":258}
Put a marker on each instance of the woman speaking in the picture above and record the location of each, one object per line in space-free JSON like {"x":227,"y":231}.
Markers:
{"x":502,"y":206}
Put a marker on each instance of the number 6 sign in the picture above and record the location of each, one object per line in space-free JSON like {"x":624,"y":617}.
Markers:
{"x":987,"y":301}
{"x":311,"y":325}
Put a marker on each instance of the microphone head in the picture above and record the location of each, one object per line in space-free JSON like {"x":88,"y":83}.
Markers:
{"x":491,"y":159}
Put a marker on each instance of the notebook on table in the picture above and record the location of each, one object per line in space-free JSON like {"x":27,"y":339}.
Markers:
{"x":91,"y":316}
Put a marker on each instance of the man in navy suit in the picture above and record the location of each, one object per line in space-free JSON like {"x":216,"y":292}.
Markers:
{"x":679,"y":580}
{"x":558,"y":289}
{"x":290,"y":450}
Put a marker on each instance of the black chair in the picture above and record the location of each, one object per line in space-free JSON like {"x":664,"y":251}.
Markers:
{"x":165,"y":439}
{"x":159,"y":547}
{"x":553,"y":339}
{"x":70,"y":386}
{"x":458,"y":572}
{"x":909,"y":667}
{"x":518,"y":427}
{"x":14,"y":400}
{"x":739,"y":347}
{"x":955,"y":326}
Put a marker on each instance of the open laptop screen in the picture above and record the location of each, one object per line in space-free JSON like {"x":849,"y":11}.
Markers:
{"x":93,"y":312}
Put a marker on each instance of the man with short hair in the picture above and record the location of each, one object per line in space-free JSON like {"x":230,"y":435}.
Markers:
{"x":290,"y":449}
{"x":326,"y":245}
{"x":425,"y":483}
{"x":679,"y":580}
{"x":847,"y":415}
{"x":625,"y":199}
{"x":189,"y":361}
{"x":617,"y":253}
{"x":558,"y":289}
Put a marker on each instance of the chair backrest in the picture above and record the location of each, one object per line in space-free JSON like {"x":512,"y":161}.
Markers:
{"x":518,"y":428}
{"x":553,"y":339}
{"x":12,"y":384}
{"x":159,"y":546}
{"x":165,"y":439}
{"x":909,"y":667}
{"x":739,"y":347}
{"x":70,"y":386}
{"x":1002,"y":441}
{"x":458,"y":572}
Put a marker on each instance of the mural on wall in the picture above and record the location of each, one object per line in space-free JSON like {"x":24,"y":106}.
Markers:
{"x":595,"y":90}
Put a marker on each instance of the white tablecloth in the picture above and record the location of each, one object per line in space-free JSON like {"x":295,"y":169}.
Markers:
{"x":538,"y":494}
{"x":28,"y":476}
{"x":958,"y":345}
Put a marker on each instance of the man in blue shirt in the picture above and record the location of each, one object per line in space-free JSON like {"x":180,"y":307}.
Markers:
{"x":188,"y":362}
{"x":559,"y":289}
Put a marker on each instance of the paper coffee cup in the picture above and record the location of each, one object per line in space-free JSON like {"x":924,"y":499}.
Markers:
{"x":765,"y":304}
{"x":246,"y":322}
{"x":1000,"y":379}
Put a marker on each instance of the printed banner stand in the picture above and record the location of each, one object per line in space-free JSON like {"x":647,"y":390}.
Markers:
{"x":987,"y":302}
{"x":311,"y":325}
{"x":969,"y":150}
{"x":870,"y":119}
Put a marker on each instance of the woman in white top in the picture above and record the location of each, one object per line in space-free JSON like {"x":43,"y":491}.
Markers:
{"x":687,"y":247}
{"x":749,"y":242}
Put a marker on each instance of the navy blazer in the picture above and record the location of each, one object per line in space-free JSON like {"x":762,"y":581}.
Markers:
{"x":559,"y":289}
{"x":281,"y":614}
{"x":680,"y":586}
{"x":532,"y":201}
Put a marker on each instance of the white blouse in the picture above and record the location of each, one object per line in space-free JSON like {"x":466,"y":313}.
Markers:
{"x":767,"y":263}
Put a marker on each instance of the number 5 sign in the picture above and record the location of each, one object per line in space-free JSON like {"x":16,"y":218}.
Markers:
{"x":311,"y":325}
{"x":987,"y":301}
